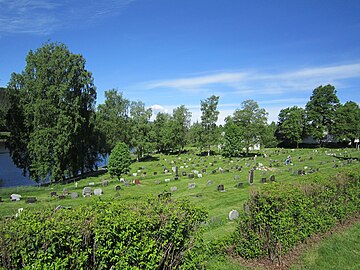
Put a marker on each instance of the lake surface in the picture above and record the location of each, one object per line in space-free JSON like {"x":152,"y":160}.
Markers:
{"x":11,"y":176}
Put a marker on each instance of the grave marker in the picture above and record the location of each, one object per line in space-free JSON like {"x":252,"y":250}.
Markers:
{"x":233,"y":214}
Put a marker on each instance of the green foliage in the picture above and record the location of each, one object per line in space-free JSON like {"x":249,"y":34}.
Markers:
{"x":268,"y":139}
{"x":209,"y":116}
{"x":112,"y":235}
{"x":281,"y":215}
{"x":4,"y":107}
{"x":290,"y":128}
{"x":320,"y":111}
{"x":119,"y":160}
{"x":180,"y":126}
{"x":233,"y":143}
{"x":347,"y":122}
{"x":51,"y":117}
{"x":252,"y":121}
{"x":112,"y":120}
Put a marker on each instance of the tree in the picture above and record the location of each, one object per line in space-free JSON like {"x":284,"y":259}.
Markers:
{"x":141,"y":137}
{"x":162,"y":129}
{"x":4,"y":107}
{"x":291,"y":124}
{"x":268,"y":140}
{"x":209,"y":117}
{"x":252,"y":120}
{"x":180,"y":126}
{"x":320,"y":111}
{"x":51,"y":115}
{"x":347,"y":122}
{"x":112,"y":119}
{"x":233,"y":142}
{"x":119,"y":160}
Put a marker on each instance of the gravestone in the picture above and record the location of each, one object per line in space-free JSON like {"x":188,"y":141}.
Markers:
{"x":98,"y":191}
{"x":251,"y":177}
{"x":239,"y":185}
{"x":155,"y":173}
{"x":203,"y":170}
{"x":199,"y":175}
{"x":65,"y":192}
{"x":117,"y":188}
{"x":105,"y":183}
{"x":183,"y":173}
{"x":74,"y":195}
{"x":157,"y":182}
{"x":134,"y":174}
{"x":220,"y":187}
{"x":15,"y":197}
{"x":87,"y":191}
{"x":61,"y":197}
{"x":91,"y":184}
{"x":191,"y":185}
{"x":263,"y":180}
{"x":122,"y":180}
{"x":172,"y":189}
{"x":191,"y":175}
{"x":167,"y":180}
{"x":126,"y":183}
{"x":213,"y":171}
{"x":272,"y":178}
{"x":53,"y":194}
{"x":236,"y":177}
{"x":136,"y":182}
{"x":209,"y":183}
{"x":233,"y":214}
{"x":30,"y":200}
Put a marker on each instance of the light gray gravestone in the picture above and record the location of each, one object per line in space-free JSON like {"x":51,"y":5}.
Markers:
{"x":233,"y":214}
{"x":74,"y":195}
{"x":172,"y":189}
{"x":191,"y":185}
{"x":98,"y":191}
{"x":87,"y":191}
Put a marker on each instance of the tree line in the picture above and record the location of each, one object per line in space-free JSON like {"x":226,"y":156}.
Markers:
{"x":56,"y":130}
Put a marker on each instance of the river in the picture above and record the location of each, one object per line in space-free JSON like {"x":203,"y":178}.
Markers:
{"x":11,"y":176}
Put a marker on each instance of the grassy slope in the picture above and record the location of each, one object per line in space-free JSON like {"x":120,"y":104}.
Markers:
{"x":217,"y":203}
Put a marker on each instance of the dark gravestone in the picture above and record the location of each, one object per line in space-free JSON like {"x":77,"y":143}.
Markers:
{"x":183,"y":174}
{"x":239,"y":185}
{"x":251,"y":177}
{"x":155,"y":173}
{"x":272,"y":178}
{"x":53,"y":194}
{"x":263,"y":180}
{"x":1,"y":199}
{"x":203,"y":170}
{"x":176,"y":178}
{"x":30,"y":200}
{"x":61,"y":197}
{"x":220,"y":187}
{"x":191,"y":175}
{"x":117,"y":188}
{"x":213,"y":171}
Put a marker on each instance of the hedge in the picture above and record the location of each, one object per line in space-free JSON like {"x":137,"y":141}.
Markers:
{"x":103,"y":235}
{"x":281,"y":215}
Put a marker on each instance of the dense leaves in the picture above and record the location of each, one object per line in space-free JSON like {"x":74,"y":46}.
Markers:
{"x":347,"y":122}
{"x":4,"y":107}
{"x":51,"y":117}
{"x":119,"y":160}
{"x":111,"y":235}
{"x":281,"y":215}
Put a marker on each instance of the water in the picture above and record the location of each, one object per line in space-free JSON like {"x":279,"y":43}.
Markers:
{"x":11,"y":176}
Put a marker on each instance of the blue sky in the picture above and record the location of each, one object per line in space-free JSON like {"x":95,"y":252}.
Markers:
{"x":168,"y":53}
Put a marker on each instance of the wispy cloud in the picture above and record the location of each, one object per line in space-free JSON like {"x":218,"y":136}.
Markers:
{"x":263,"y":83}
{"x":46,"y":16}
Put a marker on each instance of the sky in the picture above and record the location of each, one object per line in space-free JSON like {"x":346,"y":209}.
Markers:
{"x":168,"y":53}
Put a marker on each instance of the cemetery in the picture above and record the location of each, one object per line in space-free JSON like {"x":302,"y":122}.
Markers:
{"x":223,"y":188}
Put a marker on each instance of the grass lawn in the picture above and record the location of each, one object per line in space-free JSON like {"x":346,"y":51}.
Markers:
{"x":315,"y":162}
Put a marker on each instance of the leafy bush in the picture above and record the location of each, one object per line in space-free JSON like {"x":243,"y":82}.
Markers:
{"x":119,"y":160}
{"x":281,"y":215}
{"x":116,"y":235}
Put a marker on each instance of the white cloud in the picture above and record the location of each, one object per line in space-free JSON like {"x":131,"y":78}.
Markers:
{"x":46,"y":16}
{"x":245,"y":83}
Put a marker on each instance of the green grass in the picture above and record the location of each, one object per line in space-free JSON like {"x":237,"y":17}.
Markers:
{"x":218,"y":204}
{"x":339,"y":251}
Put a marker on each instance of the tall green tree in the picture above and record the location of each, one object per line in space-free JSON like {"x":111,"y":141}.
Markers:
{"x":209,"y":117}
{"x":252,"y":120}
{"x":112,"y":120}
{"x":233,"y":142}
{"x":320,"y":111}
{"x":347,"y":122}
{"x":119,"y":160}
{"x":4,"y":107}
{"x":291,"y":125}
{"x":269,"y":140}
{"x":51,"y":116}
{"x":141,"y":129}
{"x":180,"y":126}
{"x":162,"y":130}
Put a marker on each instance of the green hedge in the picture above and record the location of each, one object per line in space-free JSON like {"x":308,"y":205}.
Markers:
{"x":282,"y":214}
{"x":104,"y":235}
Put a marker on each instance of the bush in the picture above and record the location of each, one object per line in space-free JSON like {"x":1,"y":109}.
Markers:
{"x":119,"y":160}
{"x":116,"y":235}
{"x":281,"y":215}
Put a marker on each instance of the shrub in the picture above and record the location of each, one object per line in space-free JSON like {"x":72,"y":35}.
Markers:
{"x":281,"y":215}
{"x":116,"y":235}
{"x":119,"y":160}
